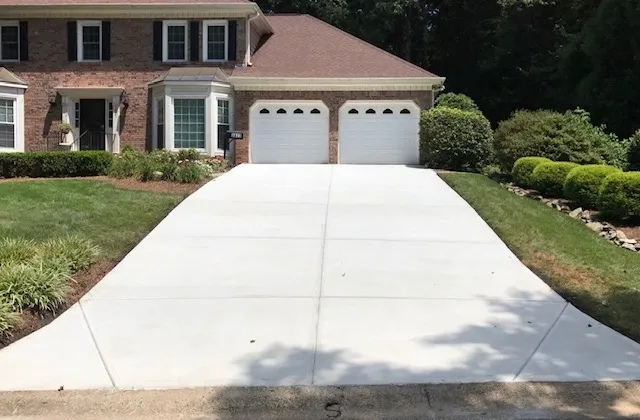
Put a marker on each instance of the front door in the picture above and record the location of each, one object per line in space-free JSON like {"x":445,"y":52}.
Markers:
{"x":92,"y":124}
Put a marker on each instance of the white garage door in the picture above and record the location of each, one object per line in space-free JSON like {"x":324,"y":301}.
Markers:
{"x":379,"y":132}
{"x":289,"y":132}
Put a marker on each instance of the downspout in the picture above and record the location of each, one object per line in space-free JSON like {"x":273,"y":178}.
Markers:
{"x":247,"y":57}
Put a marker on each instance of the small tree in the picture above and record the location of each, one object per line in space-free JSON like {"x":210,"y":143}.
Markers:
{"x":634,"y":152}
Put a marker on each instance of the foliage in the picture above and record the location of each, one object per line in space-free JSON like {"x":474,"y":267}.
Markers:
{"x":523,"y":170}
{"x":188,"y":154}
{"x":548,"y":178}
{"x":127,"y":149}
{"x":620,"y":195}
{"x":77,"y":253}
{"x":457,"y":101}
{"x":16,"y":250}
{"x":560,"y":137}
{"x":634,"y":152}
{"x":65,"y":128}
{"x":193,"y":172}
{"x":124,"y":165}
{"x":54,"y":164}
{"x":8,"y":319}
{"x":582,"y":185}
{"x":218,"y":164}
{"x":455,"y":139}
{"x":41,"y":284}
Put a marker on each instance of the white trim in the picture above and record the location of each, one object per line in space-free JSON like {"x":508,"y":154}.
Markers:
{"x":335,"y":84}
{"x":205,"y":40}
{"x":374,"y":102}
{"x":80,"y":43}
{"x":165,"y":40}
{"x":11,"y":23}
{"x":207,"y":112}
{"x":17,"y":97}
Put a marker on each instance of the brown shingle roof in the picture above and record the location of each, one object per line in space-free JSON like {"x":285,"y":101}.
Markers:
{"x":112,"y":2}
{"x":303,"y":46}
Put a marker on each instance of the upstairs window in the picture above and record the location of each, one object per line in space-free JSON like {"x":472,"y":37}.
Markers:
{"x":89,"y":40}
{"x":174,"y":45}
{"x":9,"y":41}
{"x":216,"y":40}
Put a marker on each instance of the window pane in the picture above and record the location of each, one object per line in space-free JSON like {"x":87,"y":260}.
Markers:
{"x":6,"y":135}
{"x":9,"y":38}
{"x":6,"y":111}
{"x":223,"y":111}
{"x":216,"y":42}
{"x":176,"y":42}
{"x":91,"y":43}
{"x":189,"y":124}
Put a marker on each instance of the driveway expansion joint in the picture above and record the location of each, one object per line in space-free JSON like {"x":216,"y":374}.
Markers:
{"x":95,"y":342}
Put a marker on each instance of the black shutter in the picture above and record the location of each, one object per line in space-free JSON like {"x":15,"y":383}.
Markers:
{"x":24,"y":41}
{"x":233,"y":29}
{"x":194,"y":38}
{"x":72,"y":40}
{"x":157,"y":40}
{"x":106,"y":40}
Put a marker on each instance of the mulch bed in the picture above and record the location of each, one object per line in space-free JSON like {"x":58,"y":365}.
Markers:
{"x":85,"y":280}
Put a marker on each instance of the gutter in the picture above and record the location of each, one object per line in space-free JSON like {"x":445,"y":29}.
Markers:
{"x":247,"y":59}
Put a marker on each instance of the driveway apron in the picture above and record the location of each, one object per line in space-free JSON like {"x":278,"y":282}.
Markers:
{"x":318,"y":275}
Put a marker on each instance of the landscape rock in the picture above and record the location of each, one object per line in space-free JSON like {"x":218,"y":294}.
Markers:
{"x":577,"y":213}
{"x":621,"y":235}
{"x":595,"y":226}
{"x":629,"y":241}
{"x":629,"y":247}
{"x":157,"y":175}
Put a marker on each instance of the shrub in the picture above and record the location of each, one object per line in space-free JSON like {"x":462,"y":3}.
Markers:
{"x":619,"y":195}
{"x":16,"y":250}
{"x":560,"y":137}
{"x":8,"y":319}
{"x":166,"y":162}
{"x":40,"y":284}
{"x":127,"y":149}
{"x":633,"y":152}
{"x":191,"y":172}
{"x":457,"y":101}
{"x":54,"y":164}
{"x":455,"y":139}
{"x":549,"y":177}
{"x":523,"y":170}
{"x":218,"y":164}
{"x":188,"y":154}
{"x":75,"y":252}
{"x":583,"y":184}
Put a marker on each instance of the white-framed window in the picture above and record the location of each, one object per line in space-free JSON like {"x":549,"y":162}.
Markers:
{"x":189,"y":124}
{"x":175,"y":40}
{"x":9,"y":41}
{"x":7,"y":123}
{"x":110,"y":114}
{"x":76,"y":114}
{"x":223,"y":122}
{"x":215,"y":42}
{"x":89,"y":40}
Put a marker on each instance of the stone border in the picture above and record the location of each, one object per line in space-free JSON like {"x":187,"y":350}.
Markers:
{"x":604,"y":229}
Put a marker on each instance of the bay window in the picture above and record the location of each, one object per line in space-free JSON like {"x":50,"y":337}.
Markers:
{"x":189,"y":124}
{"x":7,"y":123}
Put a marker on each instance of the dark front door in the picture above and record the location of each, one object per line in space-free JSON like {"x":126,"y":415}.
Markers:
{"x":92,"y":124}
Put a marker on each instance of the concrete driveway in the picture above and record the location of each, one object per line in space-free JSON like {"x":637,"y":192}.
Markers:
{"x":325,"y":275}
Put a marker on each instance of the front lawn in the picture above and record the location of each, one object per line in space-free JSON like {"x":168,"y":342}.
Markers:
{"x":59,"y":237}
{"x":601,"y":279}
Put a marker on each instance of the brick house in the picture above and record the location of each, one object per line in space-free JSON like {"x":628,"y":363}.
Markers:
{"x":181,"y":74}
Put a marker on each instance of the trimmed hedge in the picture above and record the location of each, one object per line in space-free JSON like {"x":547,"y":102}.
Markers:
{"x":620,"y":195}
{"x":455,"y":139}
{"x":582,"y":185}
{"x":548,"y":178}
{"x":457,"y":101}
{"x":523,"y":170}
{"x":54,"y":164}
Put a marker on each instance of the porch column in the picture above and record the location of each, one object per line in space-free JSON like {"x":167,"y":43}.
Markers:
{"x":68,"y":109}
{"x":115,"y":146}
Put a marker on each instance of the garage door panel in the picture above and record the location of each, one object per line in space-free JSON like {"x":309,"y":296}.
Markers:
{"x":289,"y":133}
{"x":387,"y":136}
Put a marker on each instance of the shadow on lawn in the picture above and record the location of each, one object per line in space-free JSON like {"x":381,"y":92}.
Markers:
{"x":498,"y":346}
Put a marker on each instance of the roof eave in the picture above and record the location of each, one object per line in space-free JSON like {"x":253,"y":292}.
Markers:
{"x":336,"y":84}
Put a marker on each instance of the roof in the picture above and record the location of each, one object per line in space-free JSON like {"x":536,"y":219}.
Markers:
{"x":303,"y":46}
{"x":8,"y":77}
{"x":113,"y":2}
{"x":193,"y":74}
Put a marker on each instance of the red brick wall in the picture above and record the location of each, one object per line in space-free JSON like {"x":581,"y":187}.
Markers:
{"x":131,"y":67}
{"x":334,"y":100}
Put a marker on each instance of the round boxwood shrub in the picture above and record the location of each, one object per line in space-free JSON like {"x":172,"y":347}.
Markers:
{"x":523,"y":170}
{"x":620,"y":195}
{"x":457,"y":101}
{"x":548,"y":178}
{"x":582,"y":185}
{"x":455,"y":139}
{"x":560,"y":137}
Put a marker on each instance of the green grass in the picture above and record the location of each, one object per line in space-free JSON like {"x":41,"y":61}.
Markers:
{"x":113,"y":218}
{"x":598,"y":277}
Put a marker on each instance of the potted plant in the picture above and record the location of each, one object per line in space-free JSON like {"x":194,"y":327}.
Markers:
{"x":65,"y":128}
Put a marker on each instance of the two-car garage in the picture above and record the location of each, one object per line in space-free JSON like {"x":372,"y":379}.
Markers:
{"x":369,"y":132}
